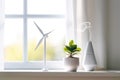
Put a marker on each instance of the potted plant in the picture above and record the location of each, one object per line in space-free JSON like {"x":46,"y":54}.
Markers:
{"x":71,"y":62}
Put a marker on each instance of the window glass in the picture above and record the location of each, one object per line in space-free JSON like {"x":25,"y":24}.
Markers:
{"x":13,"y":39}
{"x":45,"y":10}
{"x":14,"y":6}
{"x":46,"y":7}
{"x":55,"y":39}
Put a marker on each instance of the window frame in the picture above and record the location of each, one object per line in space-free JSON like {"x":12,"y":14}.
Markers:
{"x":25,"y":64}
{"x":34,"y":65}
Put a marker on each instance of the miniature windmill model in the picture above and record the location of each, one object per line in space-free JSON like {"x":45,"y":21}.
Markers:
{"x":43,"y":38}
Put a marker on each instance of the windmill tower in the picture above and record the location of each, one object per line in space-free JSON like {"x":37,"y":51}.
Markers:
{"x":45,"y":35}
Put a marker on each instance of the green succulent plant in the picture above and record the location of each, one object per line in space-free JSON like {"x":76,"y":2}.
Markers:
{"x":72,"y":48}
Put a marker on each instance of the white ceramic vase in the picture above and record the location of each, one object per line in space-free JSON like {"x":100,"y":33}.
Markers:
{"x":89,"y":60}
{"x":71,"y":64}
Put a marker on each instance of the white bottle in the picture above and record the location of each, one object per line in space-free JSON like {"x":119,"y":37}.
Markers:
{"x":89,"y":61}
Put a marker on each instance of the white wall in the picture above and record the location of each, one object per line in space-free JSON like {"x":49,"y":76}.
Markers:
{"x":114,"y":34}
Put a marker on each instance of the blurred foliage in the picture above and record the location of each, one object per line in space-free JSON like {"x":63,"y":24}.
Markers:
{"x":36,"y":55}
{"x":14,"y":52}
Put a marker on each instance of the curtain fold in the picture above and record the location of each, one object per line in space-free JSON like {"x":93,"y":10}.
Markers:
{"x":82,"y":37}
{"x":94,"y":11}
{"x":100,"y":32}
{"x":70,"y":19}
{"x":75,"y":15}
{"x":1,"y":34}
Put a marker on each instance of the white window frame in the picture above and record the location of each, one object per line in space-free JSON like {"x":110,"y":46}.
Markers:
{"x":34,"y":65}
{"x":25,"y":65}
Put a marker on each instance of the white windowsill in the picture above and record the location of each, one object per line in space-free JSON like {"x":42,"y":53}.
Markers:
{"x":39,"y":75}
{"x":61,"y":73}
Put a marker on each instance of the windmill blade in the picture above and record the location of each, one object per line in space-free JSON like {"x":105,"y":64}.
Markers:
{"x":49,"y":32}
{"x":39,"y":43}
{"x":39,"y":28}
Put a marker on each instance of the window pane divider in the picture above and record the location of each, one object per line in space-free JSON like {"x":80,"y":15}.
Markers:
{"x":46,"y":16}
{"x":25,"y":56}
{"x":34,"y":16}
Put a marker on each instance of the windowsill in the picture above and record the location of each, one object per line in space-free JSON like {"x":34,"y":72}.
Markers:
{"x":60,"y":73}
{"x":52,"y":75}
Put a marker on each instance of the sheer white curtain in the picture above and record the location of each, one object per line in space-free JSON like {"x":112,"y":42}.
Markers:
{"x":94,"y":11}
{"x":70,"y":19}
{"x":79,"y":11}
{"x":100,"y":31}
{"x":76,"y":14}
{"x":1,"y":34}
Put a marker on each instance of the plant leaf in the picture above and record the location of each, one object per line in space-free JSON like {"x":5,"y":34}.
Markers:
{"x":67,"y":49}
{"x":78,"y":49}
{"x":73,"y":47}
{"x":71,"y":43}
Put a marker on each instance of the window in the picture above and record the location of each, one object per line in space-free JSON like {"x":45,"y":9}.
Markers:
{"x":21,"y":35}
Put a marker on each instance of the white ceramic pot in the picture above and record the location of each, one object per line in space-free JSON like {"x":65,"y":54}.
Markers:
{"x":71,"y":64}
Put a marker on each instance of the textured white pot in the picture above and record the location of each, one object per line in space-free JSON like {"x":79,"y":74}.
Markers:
{"x":71,"y":64}
{"x":89,"y":61}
